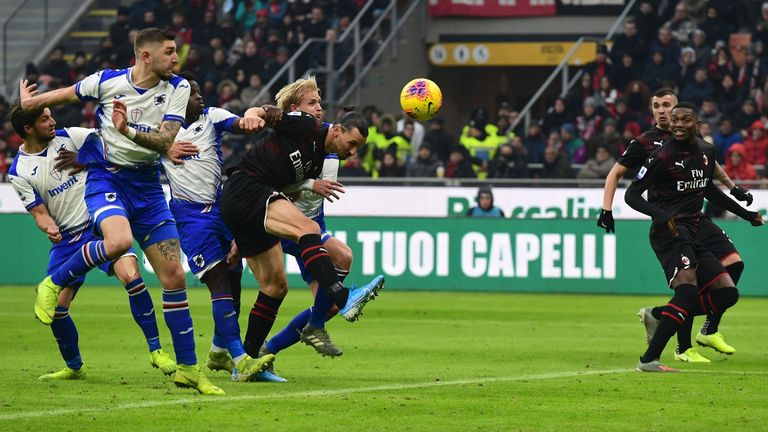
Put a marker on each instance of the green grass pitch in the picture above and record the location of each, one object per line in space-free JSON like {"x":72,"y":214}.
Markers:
{"x":416,"y":361}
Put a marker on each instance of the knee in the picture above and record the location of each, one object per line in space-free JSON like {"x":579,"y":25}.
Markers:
{"x":126,"y":270}
{"x":735,"y":270}
{"x":117,"y":245}
{"x":274,"y":285}
{"x":173,"y":278}
{"x":342,"y":257}
{"x":309,"y":226}
{"x":728,"y":297}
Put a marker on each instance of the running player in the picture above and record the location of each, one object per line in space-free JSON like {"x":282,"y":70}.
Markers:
{"x":140,"y":112}
{"x":681,"y":173}
{"x":304,"y":95}
{"x":709,"y":235}
{"x":259,"y":215}
{"x":195,"y":194}
{"x":54,"y":198}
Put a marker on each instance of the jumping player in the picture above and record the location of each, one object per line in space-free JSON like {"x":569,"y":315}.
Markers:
{"x":259,"y":215}
{"x":709,"y":235}
{"x":206,"y":241}
{"x":54,"y":198}
{"x":303,"y":95}
{"x":681,"y":173}
{"x":140,"y":112}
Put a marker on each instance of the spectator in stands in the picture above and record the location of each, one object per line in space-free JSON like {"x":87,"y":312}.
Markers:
{"x":681,"y":25}
{"x":623,"y":115}
{"x":227,"y":91}
{"x":709,"y":112}
{"x":510,"y":161}
{"x":57,"y":67}
{"x":705,"y":129}
{"x":729,"y":96}
{"x":600,"y":67}
{"x":105,"y":57}
{"x":535,"y":143}
{"x":80,"y":67}
{"x":725,"y":138}
{"x":599,"y":166}
{"x":668,"y":47}
{"x":149,"y":19}
{"x":424,"y":164}
{"x":556,"y":116}
{"x":625,"y":72}
{"x":722,"y":63}
{"x":124,"y":55}
{"x":686,"y":70}
{"x":459,"y":165}
{"x":416,"y":136}
{"x":220,"y":70}
{"x":658,"y":72}
{"x":608,"y":138}
{"x":315,"y":26}
{"x":699,"y":89}
{"x":756,"y":144}
{"x":577,"y":94}
{"x":352,"y":167}
{"x":752,"y":73}
{"x":245,"y":15}
{"x":485,"y":207}
{"x":555,"y":165}
{"x":761,"y":29}
{"x":573,"y":146}
{"x":628,"y":43}
{"x":716,"y":29}
{"x":440,"y":141}
{"x":701,"y":48}
{"x":637,"y":96}
{"x":251,"y":62}
{"x":647,"y":21}
{"x":736,"y":165}
{"x":631,"y":131}
{"x":588,"y":122}
{"x":746,"y":116}
{"x":118,"y":31}
{"x":605,"y":97}
{"x":390,"y":165}
{"x":273,"y":67}
{"x":276,"y":11}
{"x":248,"y":94}
{"x":207,"y":30}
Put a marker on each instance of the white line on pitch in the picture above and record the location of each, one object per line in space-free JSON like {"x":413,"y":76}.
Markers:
{"x":336,"y":392}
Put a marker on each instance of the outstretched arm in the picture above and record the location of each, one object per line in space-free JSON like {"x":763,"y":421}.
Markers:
{"x":737,"y":191}
{"x":30,"y":99}
{"x":717,"y":197}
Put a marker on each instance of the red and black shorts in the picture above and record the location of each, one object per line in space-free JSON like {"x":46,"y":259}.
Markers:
{"x":244,"y":206}
{"x":714,"y":239}
{"x":684,"y":252}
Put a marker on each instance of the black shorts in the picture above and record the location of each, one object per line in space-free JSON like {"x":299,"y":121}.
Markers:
{"x":244,"y":203}
{"x":714,"y":239}
{"x":684,"y":252}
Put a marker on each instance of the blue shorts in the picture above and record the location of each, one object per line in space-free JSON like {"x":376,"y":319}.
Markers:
{"x":71,"y":244}
{"x":135,"y":194}
{"x":292,"y":248}
{"x":205,"y":239}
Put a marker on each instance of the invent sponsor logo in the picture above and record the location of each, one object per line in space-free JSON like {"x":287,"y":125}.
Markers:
{"x":62,"y":187}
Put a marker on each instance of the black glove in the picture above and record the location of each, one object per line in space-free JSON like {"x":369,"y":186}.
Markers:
{"x":605,"y":220}
{"x":742,"y":194}
{"x":756,"y":219}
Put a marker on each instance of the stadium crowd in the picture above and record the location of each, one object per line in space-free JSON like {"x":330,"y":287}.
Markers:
{"x":235,"y":48}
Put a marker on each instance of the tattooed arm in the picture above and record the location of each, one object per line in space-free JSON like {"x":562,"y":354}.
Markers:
{"x":158,"y":141}
{"x":737,"y":191}
{"x":721,"y":175}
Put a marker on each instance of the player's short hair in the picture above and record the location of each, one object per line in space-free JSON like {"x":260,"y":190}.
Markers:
{"x":151,"y":35}
{"x":189,"y":76}
{"x":664,"y":91}
{"x":21,"y":118}
{"x":688,"y":105}
{"x":352,"y":120}
{"x":291,"y":94}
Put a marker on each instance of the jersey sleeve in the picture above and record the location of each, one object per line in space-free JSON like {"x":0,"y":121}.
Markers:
{"x":648,"y":172}
{"x":27,"y":194}
{"x":88,"y":88}
{"x":330,"y":167}
{"x":634,"y":155}
{"x":222,"y":119}
{"x":177,"y":106}
{"x":78,"y":137}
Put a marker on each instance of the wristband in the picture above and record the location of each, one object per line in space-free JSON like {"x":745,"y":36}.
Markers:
{"x":131,"y":134}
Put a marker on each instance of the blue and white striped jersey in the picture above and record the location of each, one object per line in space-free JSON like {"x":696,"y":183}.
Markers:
{"x":36,"y":181}
{"x":147,"y":109}
{"x":198,"y":180}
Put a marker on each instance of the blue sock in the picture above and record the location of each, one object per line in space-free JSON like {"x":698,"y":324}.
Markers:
{"x":323,"y":304}
{"x":65,"y":332}
{"x":218,"y":340}
{"x":179,"y":322}
{"x":90,"y":255}
{"x":143,"y":311}
{"x":290,"y":334}
{"x":227,"y":327}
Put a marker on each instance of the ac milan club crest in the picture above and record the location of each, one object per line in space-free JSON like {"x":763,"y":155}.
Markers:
{"x":685,"y":260}
{"x":136,"y":115}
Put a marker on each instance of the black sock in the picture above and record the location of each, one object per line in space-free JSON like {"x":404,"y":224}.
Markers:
{"x":260,"y":322}
{"x":656,"y":312}
{"x":672,"y":318}
{"x":684,"y":335}
{"x":320,"y":266}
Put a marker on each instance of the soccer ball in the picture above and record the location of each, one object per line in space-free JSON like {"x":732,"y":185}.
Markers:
{"x":421,"y":99}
